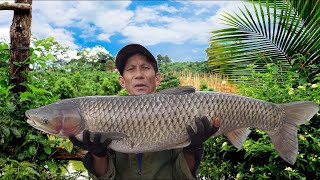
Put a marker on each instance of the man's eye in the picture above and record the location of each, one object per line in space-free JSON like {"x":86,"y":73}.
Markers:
{"x":146,"y":67}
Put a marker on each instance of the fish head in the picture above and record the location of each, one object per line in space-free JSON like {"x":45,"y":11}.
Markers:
{"x":59,"y":119}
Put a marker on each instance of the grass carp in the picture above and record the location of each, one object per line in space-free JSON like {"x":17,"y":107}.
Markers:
{"x":158,"y":121}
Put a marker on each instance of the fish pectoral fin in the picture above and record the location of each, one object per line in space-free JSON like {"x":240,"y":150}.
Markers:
{"x":179,"y":90}
{"x":112,"y":135}
{"x":181,"y":145}
{"x":238,"y":136}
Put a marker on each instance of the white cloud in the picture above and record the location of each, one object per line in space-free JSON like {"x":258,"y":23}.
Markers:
{"x":143,"y":14}
{"x":44,"y":30}
{"x":5,"y":23}
{"x":60,"y":18}
{"x":190,"y":22}
{"x":5,"y":33}
{"x":170,"y":29}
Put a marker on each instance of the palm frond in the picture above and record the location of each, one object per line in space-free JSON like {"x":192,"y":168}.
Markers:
{"x":273,"y":28}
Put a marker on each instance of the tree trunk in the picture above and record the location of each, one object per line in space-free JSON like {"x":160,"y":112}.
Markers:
{"x":64,"y":155}
{"x":14,"y":6}
{"x":20,"y":33}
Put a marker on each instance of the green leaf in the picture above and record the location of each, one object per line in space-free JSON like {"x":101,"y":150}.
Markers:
{"x":48,"y":149}
{"x":5,"y":130}
{"x":33,"y":172}
{"x":49,"y":57}
{"x":52,"y":166}
{"x":36,"y":90}
{"x":25,"y":96}
{"x":11,"y":107}
{"x":68,"y":146}
{"x":32,"y":150}
{"x":17,"y":131}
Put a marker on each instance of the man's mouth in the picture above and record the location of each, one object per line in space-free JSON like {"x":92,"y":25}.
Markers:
{"x":140,"y":85}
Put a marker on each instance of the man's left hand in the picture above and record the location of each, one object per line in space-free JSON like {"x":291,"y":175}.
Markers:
{"x":205,"y":129}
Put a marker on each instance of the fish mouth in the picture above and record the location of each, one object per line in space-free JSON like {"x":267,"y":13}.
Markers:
{"x":38,"y":126}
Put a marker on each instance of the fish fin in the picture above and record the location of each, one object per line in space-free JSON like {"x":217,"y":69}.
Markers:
{"x":179,"y":90}
{"x":285,"y":140}
{"x":299,"y":112}
{"x":181,"y":145}
{"x":238,"y":136}
{"x":112,"y":135}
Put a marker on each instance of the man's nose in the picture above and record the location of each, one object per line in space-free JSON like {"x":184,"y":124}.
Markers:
{"x":139,"y":73}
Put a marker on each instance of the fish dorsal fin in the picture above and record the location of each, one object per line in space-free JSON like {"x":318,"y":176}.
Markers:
{"x":238,"y":136}
{"x":179,"y":90}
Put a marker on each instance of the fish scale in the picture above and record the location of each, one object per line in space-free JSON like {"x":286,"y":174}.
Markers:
{"x":141,"y":134}
{"x":158,"y":121}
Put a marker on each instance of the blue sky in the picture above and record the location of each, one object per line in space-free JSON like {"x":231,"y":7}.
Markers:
{"x":179,"y":29}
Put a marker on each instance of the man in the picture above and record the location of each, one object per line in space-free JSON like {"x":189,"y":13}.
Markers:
{"x":139,"y":75}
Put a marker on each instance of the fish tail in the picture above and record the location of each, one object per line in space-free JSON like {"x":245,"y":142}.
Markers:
{"x":285,"y":140}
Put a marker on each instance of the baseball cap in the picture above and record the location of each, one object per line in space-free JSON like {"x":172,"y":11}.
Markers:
{"x":131,"y":49}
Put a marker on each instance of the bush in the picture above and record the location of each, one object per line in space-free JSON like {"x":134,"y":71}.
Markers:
{"x":168,"y":81}
{"x":258,"y":159}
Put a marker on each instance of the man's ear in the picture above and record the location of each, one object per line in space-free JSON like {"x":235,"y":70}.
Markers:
{"x":158,"y":78}
{"x":122,"y":81}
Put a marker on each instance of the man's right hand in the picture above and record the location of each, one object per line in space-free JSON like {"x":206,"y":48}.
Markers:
{"x":95,"y":161}
{"x":96,"y":147}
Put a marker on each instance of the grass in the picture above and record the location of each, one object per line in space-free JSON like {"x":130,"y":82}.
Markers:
{"x":217,"y":82}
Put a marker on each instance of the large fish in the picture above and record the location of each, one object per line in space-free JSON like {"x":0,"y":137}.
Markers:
{"x":158,"y":121}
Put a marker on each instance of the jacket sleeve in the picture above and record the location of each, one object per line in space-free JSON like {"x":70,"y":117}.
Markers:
{"x":88,"y":164}
{"x":180,"y":168}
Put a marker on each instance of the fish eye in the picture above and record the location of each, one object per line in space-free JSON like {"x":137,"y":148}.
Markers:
{"x":45,"y":121}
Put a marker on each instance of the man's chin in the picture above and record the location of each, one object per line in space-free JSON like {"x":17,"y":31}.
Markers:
{"x":141,"y":91}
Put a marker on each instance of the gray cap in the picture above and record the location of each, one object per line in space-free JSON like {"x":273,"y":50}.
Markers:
{"x":131,"y":49}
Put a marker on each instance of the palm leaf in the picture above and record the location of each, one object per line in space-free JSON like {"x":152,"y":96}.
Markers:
{"x":273,"y":28}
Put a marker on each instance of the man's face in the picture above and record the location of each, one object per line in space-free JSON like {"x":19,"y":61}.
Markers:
{"x":139,"y":76}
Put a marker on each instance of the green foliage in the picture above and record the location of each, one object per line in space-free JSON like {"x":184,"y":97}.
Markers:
{"x":273,"y":28}
{"x":163,"y":59}
{"x":204,"y":87}
{"x":64,"y":87}
{"x":168,"y":81}
{"x":257,"y":159}
{"x":193,"y":67}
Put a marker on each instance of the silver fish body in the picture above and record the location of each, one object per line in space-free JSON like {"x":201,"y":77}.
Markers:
{"x":158,"y":121}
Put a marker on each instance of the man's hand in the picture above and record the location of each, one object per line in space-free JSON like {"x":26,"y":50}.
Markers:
{"x":96,"y":147}
{"x":193,"y":152}
{"x":204,"y":131}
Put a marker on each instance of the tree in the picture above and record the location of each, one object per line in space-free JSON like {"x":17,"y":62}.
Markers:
{"x":93,"y":58}
{"x":163,"y":59}
{"x":274,"y":29}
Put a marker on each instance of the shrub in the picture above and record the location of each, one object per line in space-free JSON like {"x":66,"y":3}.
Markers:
{"x":257,"y":159}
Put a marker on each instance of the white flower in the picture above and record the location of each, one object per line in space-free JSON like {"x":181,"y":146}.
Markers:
{"x":238,"y":176}
{"x":302,"y":87}
{"x":251,"y":169}
{"x":291,"y":91}
{"x":224,"y":82}
{"x":314,"y":86}
{"x":288,"y":169}
{"x":224,"y":144}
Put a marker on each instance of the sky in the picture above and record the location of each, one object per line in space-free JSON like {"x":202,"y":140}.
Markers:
{"x":179,"y":29}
